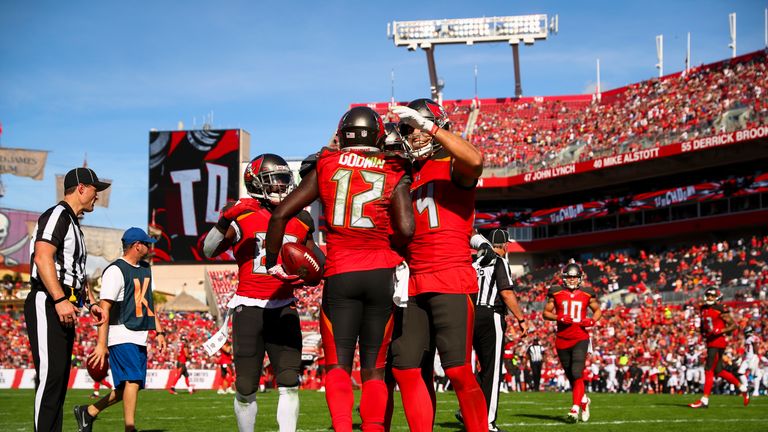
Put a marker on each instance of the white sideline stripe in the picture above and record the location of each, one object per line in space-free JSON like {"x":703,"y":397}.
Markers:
{"x":494,"y":403}
{"x":42,"y":349}
{"x":621,"y":422}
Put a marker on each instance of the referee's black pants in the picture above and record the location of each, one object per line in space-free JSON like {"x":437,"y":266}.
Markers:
{"x":488,"y":342}
{"x":536,"y":374}
{"x":51,"y":344}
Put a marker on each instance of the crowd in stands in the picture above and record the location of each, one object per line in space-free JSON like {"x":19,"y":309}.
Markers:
{"x":527,"y":136}
{"x":13,"y":289}
{"x":684,"y":269}
{"x":649,"y":348}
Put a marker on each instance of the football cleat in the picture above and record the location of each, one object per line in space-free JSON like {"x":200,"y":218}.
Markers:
{"x":698,"y":404}
{"x":745,"y":396}
{"x":493,"y":428}
{"x":585,"y":410}
{"x":459,"y":417}
{"x":84,"y":420}
{"x":573,"y":416}
{"x":172,"y":390}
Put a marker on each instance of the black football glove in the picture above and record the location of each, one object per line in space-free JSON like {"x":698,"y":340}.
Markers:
{"x":485,"y":254}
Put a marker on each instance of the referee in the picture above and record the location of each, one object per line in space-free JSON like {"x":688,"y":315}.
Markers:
{"x":493,"y":299}
{"x":58,"y":291}
{"x":535,"y":357}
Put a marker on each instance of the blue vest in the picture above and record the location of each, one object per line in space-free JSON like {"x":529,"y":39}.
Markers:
{"x":136,"y":311}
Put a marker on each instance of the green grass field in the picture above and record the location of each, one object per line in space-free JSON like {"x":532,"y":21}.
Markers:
{"x":207,"y":411}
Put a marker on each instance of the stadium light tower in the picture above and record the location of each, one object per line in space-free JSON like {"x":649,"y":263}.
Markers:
{"x":660,"y":54}
{"x":732,"y":26}
{"x":427,"y":34}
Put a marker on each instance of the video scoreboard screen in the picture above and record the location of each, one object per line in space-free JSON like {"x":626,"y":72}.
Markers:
{"x":192,"y":174}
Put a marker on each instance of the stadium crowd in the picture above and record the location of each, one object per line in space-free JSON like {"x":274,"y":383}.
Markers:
{"x":650,"y":349}
{"x":686,"y":269}
{"x":527,"y":136}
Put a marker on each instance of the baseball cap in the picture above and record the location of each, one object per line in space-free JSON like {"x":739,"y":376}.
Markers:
{"x":499,"y":236}
{"x":133,"y":235}
{"x":84,"y":176}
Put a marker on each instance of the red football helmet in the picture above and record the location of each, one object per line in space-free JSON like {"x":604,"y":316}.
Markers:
{"x":268,"y":179}
{"x":430,"y":110}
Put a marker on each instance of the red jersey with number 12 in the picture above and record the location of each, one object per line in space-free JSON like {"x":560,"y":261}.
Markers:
{"x":575,"y":304}
{"x":251,"y":229}
{"x":712,"y":325}
{"x":356,"y":189}
{"x":444,"y":214}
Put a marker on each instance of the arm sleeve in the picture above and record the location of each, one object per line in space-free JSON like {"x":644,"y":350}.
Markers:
{"x":111,"y":284}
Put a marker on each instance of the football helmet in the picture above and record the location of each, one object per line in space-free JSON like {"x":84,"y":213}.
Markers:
{"x":361,"y":127}
{"x":712,"y":296}
{"x":393,"y":141}
{"x":572,"y":275}
{"x":431,"y":110}
{"x":748,"y":330}
{"x":268,"y":179}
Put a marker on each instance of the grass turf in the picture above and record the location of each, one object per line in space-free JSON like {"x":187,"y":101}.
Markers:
{"x":207,"y":411}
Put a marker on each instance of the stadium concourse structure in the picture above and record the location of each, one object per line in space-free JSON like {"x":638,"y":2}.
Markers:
{"x":669,"y":161}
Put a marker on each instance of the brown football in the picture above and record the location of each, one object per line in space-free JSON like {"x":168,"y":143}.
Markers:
{"x":98,"y":373}
{"x":300,"y":261}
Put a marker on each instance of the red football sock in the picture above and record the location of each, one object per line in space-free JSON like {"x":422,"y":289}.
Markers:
{"x":373,"y":405}
{"x":730,"y":378}
{"x":471,"y":399}
{"x":578,"y":390}
{"x":186,"y":381}
{"x":340,"y":399}
{"x":415,"y":397}
{"x":107,"y":384}
{"x":709,"y":379}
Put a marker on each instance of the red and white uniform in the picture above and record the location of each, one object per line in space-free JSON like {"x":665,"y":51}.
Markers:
{"x":712,"y":325}
{"x":573,"y":303}
{"x":444,"y":214}
{"x":356,"y":189}
{"x":182,"y":355}
{"x":250,"y":231}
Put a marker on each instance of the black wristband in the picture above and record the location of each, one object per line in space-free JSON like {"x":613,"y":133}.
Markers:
{"x":160,"y":333}
{"x":60,"y":300}
{"x":89,"y":306}
{"x":270,"y":260}
{"x":223,"y":224}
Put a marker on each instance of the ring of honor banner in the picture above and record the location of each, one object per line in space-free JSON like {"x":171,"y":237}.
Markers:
{"x":192,"y":174}
{"x":702,"y":192}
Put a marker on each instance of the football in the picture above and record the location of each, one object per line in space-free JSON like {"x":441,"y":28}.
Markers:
{"x":98,"y":373}
{"x":300,"y":261}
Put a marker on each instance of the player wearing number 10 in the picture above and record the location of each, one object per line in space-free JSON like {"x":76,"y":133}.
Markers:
{"x":365,"y":197}
{"x":568,"y":306}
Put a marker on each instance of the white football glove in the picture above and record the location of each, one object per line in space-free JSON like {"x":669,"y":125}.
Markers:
{"x":412,"y":118}
{"x":278,"y":272}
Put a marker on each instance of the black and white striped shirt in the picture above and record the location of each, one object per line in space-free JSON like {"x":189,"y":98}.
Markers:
{"x":492,"y":279}
{"x":534,"y":353}
{"x":59,"y":226}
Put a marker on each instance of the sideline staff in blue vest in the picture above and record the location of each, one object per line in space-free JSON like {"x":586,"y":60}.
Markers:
{"x":126,"y":297}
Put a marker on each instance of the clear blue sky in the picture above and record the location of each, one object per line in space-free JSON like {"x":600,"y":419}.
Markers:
{"x":82,"y":77}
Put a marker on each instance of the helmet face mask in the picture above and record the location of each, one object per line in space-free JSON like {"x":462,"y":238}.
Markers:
{"x":268,"y":179}
{"x":572,"y":276}
{"x":712,"y":296}
{"x":419,"y":144}
{"x":393,"y":141}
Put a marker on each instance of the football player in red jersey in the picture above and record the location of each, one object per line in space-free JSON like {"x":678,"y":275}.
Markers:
{"x":365,"y":197}
{"x":181,"y":369}
{"x":264,"y":314}
{"x":568,"y":306}
{"x":225,"y":370}
{"x":716,"y":322}
{"x":443,"y":284}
